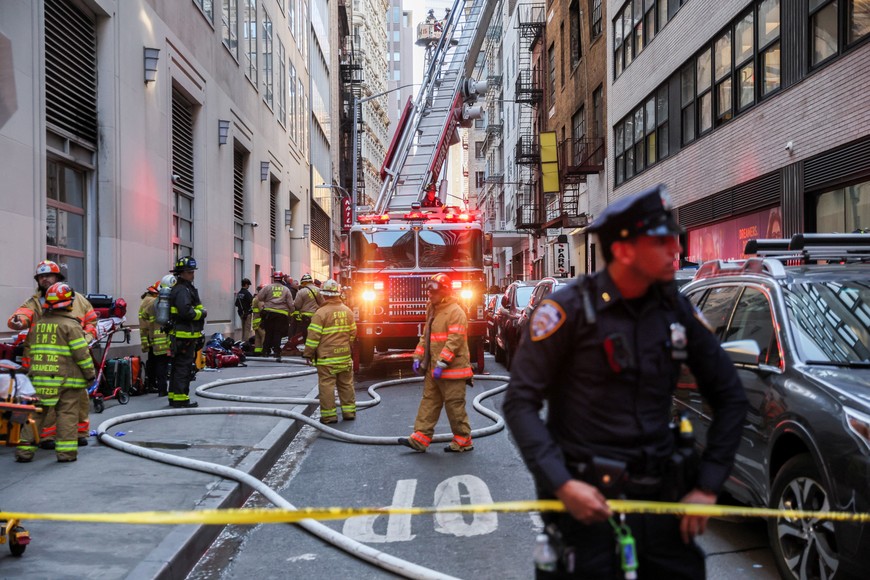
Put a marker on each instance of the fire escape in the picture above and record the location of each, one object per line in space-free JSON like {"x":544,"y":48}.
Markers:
{"x":578,"y":158}
{"x":351,"y":78}
{"x":531,"y":21}
{"x":493,"y":147}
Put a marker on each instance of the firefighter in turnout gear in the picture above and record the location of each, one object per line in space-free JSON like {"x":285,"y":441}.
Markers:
{"x":330,"y":336}
{"x":187,"y":319}
{"x":155,"y":343}
{"x":47,"y":274}
{"x":257,"y":323}
{"x":276,"y":304}
{"x":61,"y":368}
{"x":308,"y":300}
{"x":442,"y":354}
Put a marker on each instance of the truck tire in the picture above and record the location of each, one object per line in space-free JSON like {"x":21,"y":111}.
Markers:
{"x":366,"y":353}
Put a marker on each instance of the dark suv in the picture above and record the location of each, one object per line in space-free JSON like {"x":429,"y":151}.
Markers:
{"x":543,"y":288}
{"x":800,"y":339}
{"x":507,"y":318}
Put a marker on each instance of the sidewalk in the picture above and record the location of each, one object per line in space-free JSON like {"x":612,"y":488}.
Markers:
{"x":107,"y":480}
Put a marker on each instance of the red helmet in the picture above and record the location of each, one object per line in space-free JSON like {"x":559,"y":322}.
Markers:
{"x":439,"y":283}
{"x":153,"y":288}
{"x":59,"y":295}
{"x":48,"y":267}
{"x":277,"y":275}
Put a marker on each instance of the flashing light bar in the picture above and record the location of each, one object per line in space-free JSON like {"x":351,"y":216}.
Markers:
{"x":374,"y":218}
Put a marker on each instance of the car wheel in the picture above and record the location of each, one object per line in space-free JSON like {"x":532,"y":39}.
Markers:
{"x":803,"y":548}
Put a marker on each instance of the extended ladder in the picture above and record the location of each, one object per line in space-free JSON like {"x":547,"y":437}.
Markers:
{"x":421,"y":147}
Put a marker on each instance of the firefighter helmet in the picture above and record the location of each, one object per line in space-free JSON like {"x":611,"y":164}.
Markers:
{"x":153,"y":288}
{"x":305,"y":279}
{"x":58,"y":296}
{"x":439,"y":283}
{"x":331,"y":288}
{"x":277,"y":275}
{"x":184,"y":264}
{"x":168,"y":281}
{"x":48,"y":267}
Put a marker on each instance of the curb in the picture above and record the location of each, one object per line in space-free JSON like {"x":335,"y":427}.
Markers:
{"x":175,"y":557}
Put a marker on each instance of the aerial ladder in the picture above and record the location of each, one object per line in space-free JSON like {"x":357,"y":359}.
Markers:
{"x":445,"y":101}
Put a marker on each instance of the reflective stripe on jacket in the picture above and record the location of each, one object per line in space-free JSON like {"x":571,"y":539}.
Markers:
{"x":308,"y":300}
{"x":446,"y":327}
{"x":186,"y":311}
{"x":330,"y":335}
{"x":59,"y":356}
{"x":276,"y":297}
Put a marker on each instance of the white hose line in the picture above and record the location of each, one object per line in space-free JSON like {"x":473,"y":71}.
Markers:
{"x":352,"y":547}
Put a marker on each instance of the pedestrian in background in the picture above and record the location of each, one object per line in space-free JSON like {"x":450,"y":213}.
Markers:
{"x":605,"y":354}
{"x":276,"y":305}
{"x":442,"y":355}
{"x":187,"y":318}
{"x":60,"y":368}
{"x":244,"y":298}
{"x":47,"y":274}
{"x":330,"y":337}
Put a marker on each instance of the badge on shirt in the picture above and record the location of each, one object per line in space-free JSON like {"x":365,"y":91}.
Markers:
{"x":546,"y":319}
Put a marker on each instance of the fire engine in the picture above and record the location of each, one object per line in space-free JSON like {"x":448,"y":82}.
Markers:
{"x":396,"y":247}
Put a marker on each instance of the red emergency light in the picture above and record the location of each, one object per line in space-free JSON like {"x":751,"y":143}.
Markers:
{"x":374,"y":219}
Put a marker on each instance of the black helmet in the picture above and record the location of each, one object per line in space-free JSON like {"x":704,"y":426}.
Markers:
{"x":185,"y":264}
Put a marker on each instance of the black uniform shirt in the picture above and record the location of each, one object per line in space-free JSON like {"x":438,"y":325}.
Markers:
{"x":608,"y":385}
{"x":183,"y":299}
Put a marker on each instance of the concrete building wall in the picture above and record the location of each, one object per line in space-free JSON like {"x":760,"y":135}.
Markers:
{"x":129,"y":187}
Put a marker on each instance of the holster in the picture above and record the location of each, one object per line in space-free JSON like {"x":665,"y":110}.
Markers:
{"x":681,"y":474}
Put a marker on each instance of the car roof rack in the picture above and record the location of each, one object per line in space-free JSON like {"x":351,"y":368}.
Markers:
{"x":762,"y":266}
{"x":810,"y":248}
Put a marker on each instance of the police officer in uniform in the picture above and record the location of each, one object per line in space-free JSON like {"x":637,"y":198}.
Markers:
{"x":187,"y":316}
{"x":605,"y":354}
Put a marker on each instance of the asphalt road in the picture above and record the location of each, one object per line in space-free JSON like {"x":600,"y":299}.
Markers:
{"x":320,"y":471}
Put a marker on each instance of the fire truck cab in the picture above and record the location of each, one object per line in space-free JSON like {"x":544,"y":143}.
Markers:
{"x":392,"y":256}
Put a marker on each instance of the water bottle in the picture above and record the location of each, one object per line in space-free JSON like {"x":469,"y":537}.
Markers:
{"x":161,"y":314}
{"x":544,"y":555}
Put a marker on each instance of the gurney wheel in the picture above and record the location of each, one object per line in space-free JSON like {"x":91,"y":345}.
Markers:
{"x":98,"y":405}
{"x":14,"y":547}
{"x":123,"y":398}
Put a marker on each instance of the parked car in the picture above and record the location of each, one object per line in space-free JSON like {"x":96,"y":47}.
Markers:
{"x":542,"y":289}
{"x":800,"y":339}
{"x":490,"y":306}
{"x":507,"y":318}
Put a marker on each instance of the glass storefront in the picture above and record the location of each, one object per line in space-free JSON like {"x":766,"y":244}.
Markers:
{"x":845,"y":210}
{"x":727,"y":240}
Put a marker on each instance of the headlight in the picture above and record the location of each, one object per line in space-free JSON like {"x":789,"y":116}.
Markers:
{"x":368,"y":295}
{"x":379,"y":285}
{"x":859,"y":424}
{"x":466,"y":294}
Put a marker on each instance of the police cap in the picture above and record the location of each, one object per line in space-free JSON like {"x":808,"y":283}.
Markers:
{"x":645,"y":213}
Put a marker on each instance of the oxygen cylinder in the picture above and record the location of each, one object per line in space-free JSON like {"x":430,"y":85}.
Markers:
{"x":161,"y":315}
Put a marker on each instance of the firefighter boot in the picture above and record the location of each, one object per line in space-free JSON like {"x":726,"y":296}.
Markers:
{"x":328,"y":416}
{"x":417,"y":441}
{"x":459,"y":445}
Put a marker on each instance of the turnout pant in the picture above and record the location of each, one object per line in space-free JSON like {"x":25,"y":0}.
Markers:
{"x":183,"y":359}
{"x":447,"y":393}
{"x":48,"y":430}
{"x":67,"y":415}
{"x":157,"y":373}
{"x":259,"y":339}
{"x":275,"y":325}
{"x":329,"y":378}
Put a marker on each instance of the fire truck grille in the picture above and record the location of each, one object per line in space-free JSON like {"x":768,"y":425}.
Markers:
{"x":408,"y":296}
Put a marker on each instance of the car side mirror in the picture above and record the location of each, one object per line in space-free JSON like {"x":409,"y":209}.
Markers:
{"x":505,"y":303}
{"x":743,"y":352}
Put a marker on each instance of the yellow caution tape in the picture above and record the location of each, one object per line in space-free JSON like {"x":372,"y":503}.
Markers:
{"x":277,"y":516}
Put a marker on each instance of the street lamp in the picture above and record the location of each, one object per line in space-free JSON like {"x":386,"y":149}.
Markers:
{"x":356,"y":106}
{"x":345,"y":193}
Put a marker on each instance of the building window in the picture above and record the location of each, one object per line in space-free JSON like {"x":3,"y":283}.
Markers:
{"x":562,"y":49}
{"x":844,"y":210}
{"x":294,"y":106}
{"x":574,"y":24}
{"x":635,"y":25}
{"x":250,"y":40}
{"x":744,"y":63}
{"x":183,"y":168}
{"x":769,"y":46}
{"x":65,"y":239}
{"x":480,"y":179}
{"x":291,"y":19}
{"x":281,"y":75}
{"x":206,"y":7}
{"x":687,"y":102}
{"x":230,"y":25}
{"x":722,"y":76}
{"x":596,"y":19}
{"x":578,"y":134}
{"x":268,"y":78}
{"x":551,"y":76}
{"x":828,"y":18}
{"x":858,"y":20}
{"x":640,"y":136}
{"x":598,"y":112}
{"x":478,"y":149}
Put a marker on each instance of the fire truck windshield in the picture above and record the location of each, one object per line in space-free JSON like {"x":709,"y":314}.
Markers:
{"x":438,"y":249}
{"x":451,"y":249}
